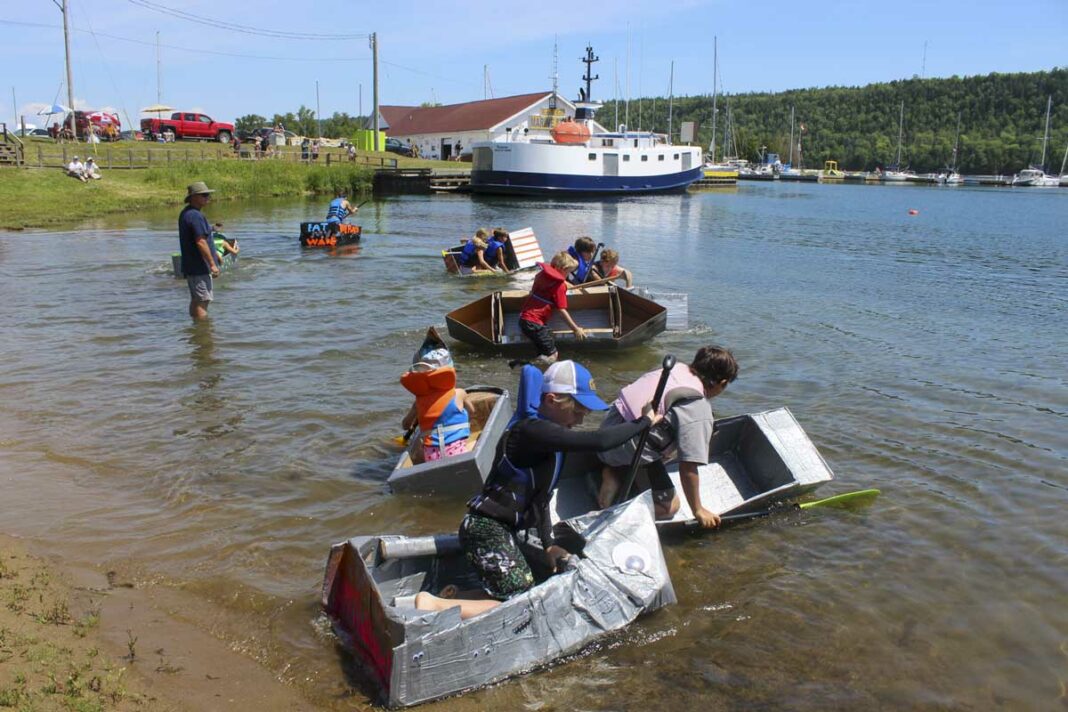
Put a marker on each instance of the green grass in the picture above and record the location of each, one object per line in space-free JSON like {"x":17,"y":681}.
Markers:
{"x":39,"y":198}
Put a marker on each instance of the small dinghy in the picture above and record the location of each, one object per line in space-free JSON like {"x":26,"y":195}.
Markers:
{"x":757,"y":461}
{"x":613,"y":318}
{"x":462,"y":475}
{"x":229,"y":260}
{"x":522,"y":252}
{"x":617,"y":572}
{"x":326,"y":234}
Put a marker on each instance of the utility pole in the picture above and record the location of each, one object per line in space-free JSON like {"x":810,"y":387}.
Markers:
{"x":318,"y":115}
{"x":70,"y":77}
{"x":374,"y":62}
{"x":14,"y":108}
{"x":361,"y":100}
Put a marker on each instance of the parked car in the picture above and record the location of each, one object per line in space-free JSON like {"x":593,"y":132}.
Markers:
{"x":395,"y":145}
{"x":32,"y":133}
{"x":188,"y":125}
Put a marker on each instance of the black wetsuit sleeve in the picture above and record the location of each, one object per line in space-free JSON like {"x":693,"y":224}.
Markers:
{"x":546,"y":436}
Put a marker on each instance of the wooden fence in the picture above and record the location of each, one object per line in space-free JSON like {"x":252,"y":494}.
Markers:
{"x":118,"y":158}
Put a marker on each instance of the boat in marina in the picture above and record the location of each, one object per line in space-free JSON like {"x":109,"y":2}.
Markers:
{"x":581,"y":157}
{"x":798,"y":174}
{"x":489,"y":409}
{"x":616,"y":573}
{"x":951,"y":176}
{"x":894,"y":173}
{"x":1035,"y":176}
{"x":612,"y":317}
{"x":327,"y":234}
{"x":522,"y":252}
{"x":757,"y":461}
{"x":831,"y":173}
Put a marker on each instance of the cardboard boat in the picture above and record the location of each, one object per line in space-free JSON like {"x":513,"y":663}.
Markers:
{"x":522,"y":252}
{"x":617,"y":572}
{"x":326,"y":234}
{"x":461,"y":475}
{"x":757,"y":460}
{"x":613,"y":318}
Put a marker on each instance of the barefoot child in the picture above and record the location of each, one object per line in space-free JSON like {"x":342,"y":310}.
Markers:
{"x":548,"y":294}
{"x":685,"y":433}
{"x":517,"y":493}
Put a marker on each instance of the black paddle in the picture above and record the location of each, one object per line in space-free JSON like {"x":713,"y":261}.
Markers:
{"x":624,"y":491}
{"x":403,"y":439}
{"x":593,"y":260}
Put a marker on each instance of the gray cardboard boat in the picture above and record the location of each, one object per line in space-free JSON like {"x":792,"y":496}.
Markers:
{"x":617,"y":572}
{"x":489,"y":409}
{"x":757,"y":460}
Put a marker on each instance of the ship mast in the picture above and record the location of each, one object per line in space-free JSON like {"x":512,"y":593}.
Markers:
{"x":715,"y":89}
{"x":588,"y":60}
{"x":556,"y":79}
{"x":1045,"y":137}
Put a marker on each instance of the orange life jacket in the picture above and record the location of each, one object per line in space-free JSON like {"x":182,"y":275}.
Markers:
{"x":434,"y":391}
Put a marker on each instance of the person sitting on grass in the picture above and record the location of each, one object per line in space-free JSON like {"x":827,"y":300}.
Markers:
{"x":92,"y":171}
{"x":685,"y":433}
{"x":520,"y":486}
{"x":439,"y":405}
{"x":494,"y":254}
{"x":583,"y":251}
{"x":76,"y":169}
{"x":608,"y":268}
{"x":548,"y":294}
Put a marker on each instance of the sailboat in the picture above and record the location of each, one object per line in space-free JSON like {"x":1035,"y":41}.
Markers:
{"x":1064,"y":176}
{"x":721,"y":171}
{"x":894,"y":174}
{"x":951,"y":176}
{"x":1035,"y":176}
{"x":797,"y":174}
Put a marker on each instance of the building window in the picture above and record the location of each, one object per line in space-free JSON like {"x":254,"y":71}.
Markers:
{"x":592,"y":156}
{"x":645,"y":157}
{"x":609,"y":142}
{"x":626,"y":157}
{"x":676,"y":156}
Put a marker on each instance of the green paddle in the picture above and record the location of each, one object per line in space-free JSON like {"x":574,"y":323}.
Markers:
{"x":846,"y":500}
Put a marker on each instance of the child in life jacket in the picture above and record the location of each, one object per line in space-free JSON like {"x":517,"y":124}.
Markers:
{"x":472,"y":254}
{"x":223,"y":244}
{"x":608,"y":268}
{"x":518,"y":491}
{"x":583,"y":251}
{"x":439,"y":404}
{"x":494,"y":254}
{"x":685,"y":433}
{"x":548,"y":294}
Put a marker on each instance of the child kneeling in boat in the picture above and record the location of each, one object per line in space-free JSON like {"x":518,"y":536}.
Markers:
{"x":472,"y":254}
{"x":548,"y":294}
{"x":517,"y":493}
{"x":439,"y":404}
{"x":685,"y":433}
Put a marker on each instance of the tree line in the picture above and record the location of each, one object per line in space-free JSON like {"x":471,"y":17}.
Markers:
{"x":1002,"y":120}
{"x":304,"y":123}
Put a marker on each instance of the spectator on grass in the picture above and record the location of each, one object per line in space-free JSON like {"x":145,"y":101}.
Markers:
{"x":76,"y":169}
{"x":92,"y":171}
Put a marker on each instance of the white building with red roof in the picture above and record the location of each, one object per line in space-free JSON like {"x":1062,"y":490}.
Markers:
{"x":443,"y":132}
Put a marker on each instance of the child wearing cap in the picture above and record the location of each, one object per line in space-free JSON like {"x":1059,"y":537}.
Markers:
{"x":518,"y":490}
{"x":548,"y":294}
{"x":439,"y":404}
{"x":685,"y":433}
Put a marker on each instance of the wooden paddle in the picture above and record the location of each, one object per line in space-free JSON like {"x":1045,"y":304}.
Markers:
{"x":624,"y":491}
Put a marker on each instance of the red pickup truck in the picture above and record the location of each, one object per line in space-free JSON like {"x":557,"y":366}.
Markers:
{"x":185,"y":124}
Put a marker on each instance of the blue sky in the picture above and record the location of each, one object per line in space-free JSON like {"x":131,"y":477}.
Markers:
{"x":434,"y":51}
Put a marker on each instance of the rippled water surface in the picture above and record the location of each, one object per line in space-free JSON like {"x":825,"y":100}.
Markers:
{"x":924,"y":355}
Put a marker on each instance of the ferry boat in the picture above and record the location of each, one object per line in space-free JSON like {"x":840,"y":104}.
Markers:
{"x":581,"y":157}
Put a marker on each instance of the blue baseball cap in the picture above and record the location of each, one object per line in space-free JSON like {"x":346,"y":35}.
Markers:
{"x":574,"y":380}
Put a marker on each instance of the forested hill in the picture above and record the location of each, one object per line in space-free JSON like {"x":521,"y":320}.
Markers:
{"x":1002,"y":121}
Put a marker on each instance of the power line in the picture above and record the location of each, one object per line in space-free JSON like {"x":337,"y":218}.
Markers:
{"x":243,"y":29}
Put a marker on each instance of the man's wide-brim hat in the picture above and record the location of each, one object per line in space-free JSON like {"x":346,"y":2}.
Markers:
{"x":198,"y":188}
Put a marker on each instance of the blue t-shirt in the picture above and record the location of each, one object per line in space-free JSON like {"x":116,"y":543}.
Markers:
{"x":192,"y":224}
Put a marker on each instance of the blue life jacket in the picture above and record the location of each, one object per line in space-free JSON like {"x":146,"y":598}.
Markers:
{"x":453,"y":424}
{"x":509,"y":490}
{"x":469,"y":254}
{"x":335,"y":213}
{"x":490,"y":254}
{"x":580,"y":274}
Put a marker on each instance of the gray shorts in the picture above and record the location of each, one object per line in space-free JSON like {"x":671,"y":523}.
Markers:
{"x":200,"y":287}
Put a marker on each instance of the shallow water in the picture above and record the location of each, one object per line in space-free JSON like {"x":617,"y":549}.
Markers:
{"x":924,"y":355}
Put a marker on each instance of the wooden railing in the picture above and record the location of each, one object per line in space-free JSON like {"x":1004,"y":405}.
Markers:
{"x":49,"y":155}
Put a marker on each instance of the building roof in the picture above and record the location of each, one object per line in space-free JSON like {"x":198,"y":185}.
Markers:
{"x":470,"y":116}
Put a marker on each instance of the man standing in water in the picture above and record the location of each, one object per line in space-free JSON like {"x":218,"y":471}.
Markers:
{"x":199,"y":262}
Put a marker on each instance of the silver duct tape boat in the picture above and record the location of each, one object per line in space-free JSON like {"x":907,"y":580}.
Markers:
{"x":757,"y":460}
{"x":617,"y":573}
{"x":489,"y":410}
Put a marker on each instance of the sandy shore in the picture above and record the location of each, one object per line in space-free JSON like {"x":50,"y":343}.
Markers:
{"x":83,"y":639}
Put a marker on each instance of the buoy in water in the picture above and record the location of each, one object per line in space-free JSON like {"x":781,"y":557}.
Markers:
{"x":913,"y":211}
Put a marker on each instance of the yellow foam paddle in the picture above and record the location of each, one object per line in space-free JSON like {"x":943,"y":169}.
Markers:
{"x":845,"y":500}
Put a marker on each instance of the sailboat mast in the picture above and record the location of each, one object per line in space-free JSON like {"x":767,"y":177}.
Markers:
{"x":791,"y":136}
{"x":900,"y":128}
{"x":1064,"y":160}
{"x":715,"y":91}
{"x":671,"y":98}
{"x":956,"y":145}
{"x":1045,"y":137}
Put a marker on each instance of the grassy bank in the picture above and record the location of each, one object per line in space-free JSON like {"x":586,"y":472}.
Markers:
{"x":39,"y":198}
